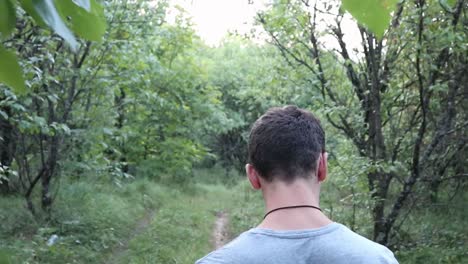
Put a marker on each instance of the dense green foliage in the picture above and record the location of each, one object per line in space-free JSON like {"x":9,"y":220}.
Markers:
{"x":85,"y":17}
{"x":126,"y":141}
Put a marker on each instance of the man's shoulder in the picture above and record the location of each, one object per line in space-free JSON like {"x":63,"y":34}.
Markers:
{"x":356,"y":246}
{"x":334,"y":243}
{"x":220,"y":256}
{"x":228,"y":254}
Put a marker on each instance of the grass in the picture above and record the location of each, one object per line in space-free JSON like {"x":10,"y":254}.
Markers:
{"x":181,"y":230}
{"x":96,"y":220}
{"x":89,"y":218}
{"x":436,"y":234}
{"x":148,"y":222}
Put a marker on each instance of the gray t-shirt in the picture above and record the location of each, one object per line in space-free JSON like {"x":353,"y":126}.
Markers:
{"x":333,"y":243}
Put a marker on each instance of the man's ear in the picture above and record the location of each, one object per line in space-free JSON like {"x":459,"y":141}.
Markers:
{"x":322,"y":167}
{"x":254,"y":177}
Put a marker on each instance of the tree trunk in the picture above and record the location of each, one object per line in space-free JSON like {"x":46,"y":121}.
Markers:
{"x":381,"y":228}
{"x":376,"y":150}
{"x":46,"y":178}
{"x":7,"y":147}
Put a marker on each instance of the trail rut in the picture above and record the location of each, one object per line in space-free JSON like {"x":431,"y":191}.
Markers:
{"x":119,"y":251}
{"x":220,"y":234}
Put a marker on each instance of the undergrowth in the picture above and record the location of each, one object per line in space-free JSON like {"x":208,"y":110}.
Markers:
{"x":88,"y":218}
{"x":181,"y":230}
{"x":94,"y":221}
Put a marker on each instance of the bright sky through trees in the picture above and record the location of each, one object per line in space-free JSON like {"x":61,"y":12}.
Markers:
{"x":214,"y":19}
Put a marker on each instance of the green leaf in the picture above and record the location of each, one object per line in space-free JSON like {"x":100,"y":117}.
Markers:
{"x":88,"y":25}
{"x":7,"y":17}
{"x":10,"y":71}
{"x":373,"y":14}
{"x":86,"y":4}
{"x":107,"y":131}
{"x":451,"y":2}
{"x":448,"y":3}
{"x":47,"y":11}
{"x":28,"y":6}
{"x":4,"y":115}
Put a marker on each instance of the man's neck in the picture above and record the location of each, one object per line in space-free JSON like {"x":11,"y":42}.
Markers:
{"x":299,"y":192}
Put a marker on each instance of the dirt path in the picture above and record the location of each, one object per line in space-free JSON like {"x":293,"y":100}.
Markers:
{"x":220,"y":233}
{"x":119,"y":251}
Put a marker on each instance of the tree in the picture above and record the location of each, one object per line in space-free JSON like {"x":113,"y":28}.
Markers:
{"x":45,"y":13}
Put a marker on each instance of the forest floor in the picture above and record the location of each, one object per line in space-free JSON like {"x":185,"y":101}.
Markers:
{"x":149,"y":222}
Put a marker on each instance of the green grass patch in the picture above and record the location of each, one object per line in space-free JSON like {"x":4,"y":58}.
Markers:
{"x":88,"y":218}
{"x":181,"y":230}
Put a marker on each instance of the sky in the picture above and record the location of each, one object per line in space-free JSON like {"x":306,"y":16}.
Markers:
{"x":213,"y":19}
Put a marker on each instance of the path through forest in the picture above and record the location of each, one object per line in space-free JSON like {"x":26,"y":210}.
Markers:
{"x":220,"y":234}
{"x":220,"y":231}
{"x":119,"y":251}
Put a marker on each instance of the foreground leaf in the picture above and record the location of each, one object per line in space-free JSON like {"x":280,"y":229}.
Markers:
{"x":88,"y":25}
{"x":86,"y":4}
{"x":47,"y":11}
{"x":373,"y":14}
{"x":10,"y":71}
{"x":7,"y":17}
{"x":28,"y":6}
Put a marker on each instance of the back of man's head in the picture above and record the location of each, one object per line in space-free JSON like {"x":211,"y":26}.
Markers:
{"x":285,"y":143}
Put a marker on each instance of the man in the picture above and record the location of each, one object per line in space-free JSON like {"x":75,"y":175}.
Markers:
{"x":288,"y":163}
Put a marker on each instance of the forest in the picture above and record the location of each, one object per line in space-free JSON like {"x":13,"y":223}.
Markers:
{"x":123,"y":135}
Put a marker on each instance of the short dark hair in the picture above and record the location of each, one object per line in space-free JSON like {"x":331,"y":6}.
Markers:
{"x":285,"y":143}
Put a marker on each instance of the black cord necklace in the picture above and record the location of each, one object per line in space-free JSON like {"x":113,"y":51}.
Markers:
{"x":291,"y":207}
